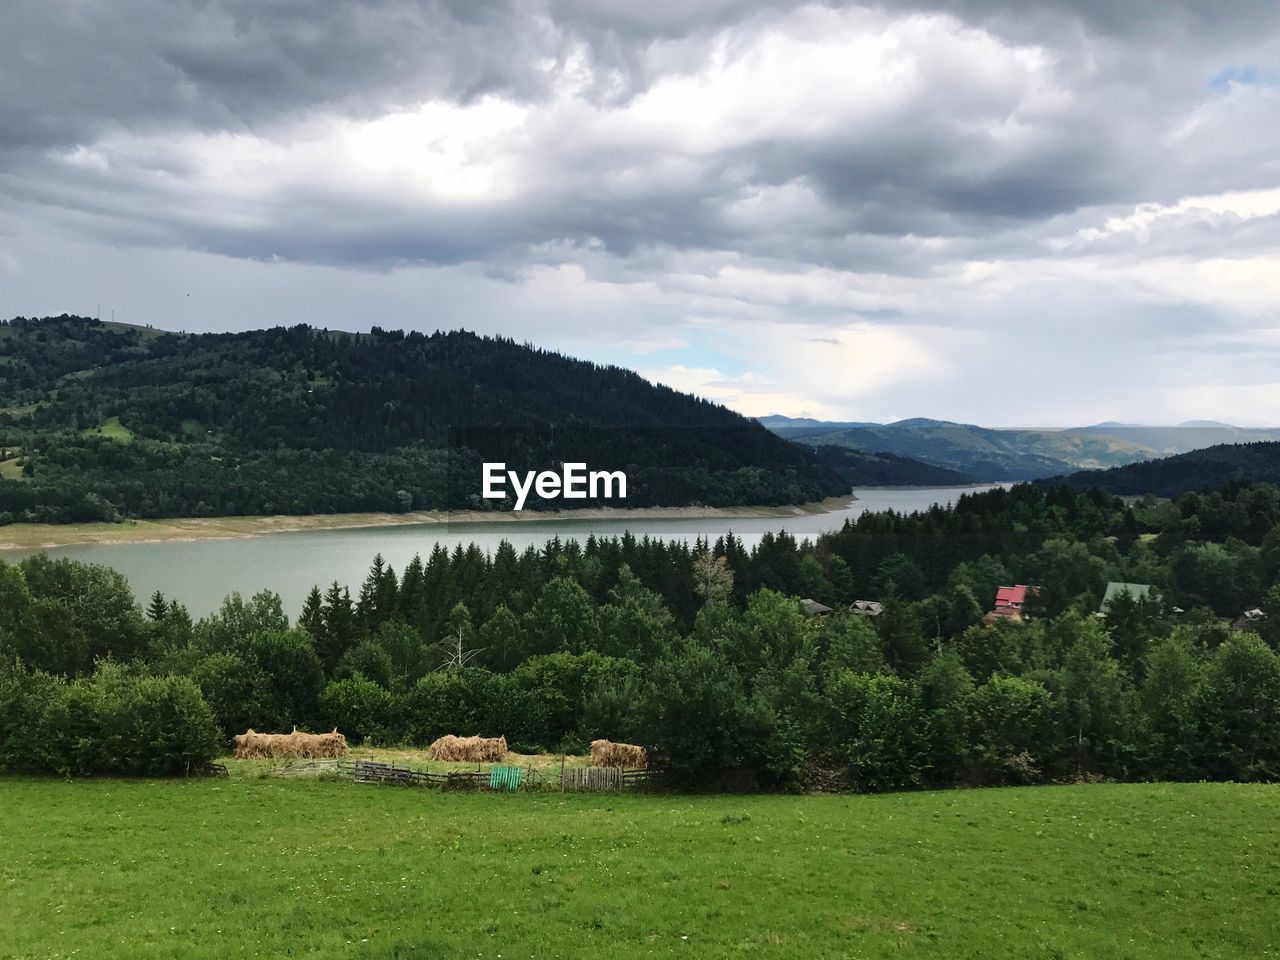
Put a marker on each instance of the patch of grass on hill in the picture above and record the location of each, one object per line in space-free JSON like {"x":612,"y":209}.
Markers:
{"x":112,"y":429}
{"x":264,"y":867}
{"x":11,"y":469}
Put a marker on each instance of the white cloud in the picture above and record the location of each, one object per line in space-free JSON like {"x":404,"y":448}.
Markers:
{"x":908,"y":209}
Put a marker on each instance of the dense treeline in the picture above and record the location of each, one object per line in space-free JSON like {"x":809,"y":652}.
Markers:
{"x":102,"y":421}
{"x":703,"y":653}
{"x":1211,"y":467}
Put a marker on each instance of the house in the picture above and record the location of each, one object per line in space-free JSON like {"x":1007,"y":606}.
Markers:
{"x":1249,"y":621}
{"x":1138,"y":591}
{"x":866,"y":608}
{"x":815,"y":609}
{"x":1009,"y":602}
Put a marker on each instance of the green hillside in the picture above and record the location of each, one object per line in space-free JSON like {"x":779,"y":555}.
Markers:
{"x":120,"y":421}
{"x":1171,"y":476}
{"x":886,"y":469}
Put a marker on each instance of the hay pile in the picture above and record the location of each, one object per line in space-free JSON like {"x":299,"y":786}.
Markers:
{"x":308,"y":746}
{"x":606,"y":753}
{"x":469,"y":749}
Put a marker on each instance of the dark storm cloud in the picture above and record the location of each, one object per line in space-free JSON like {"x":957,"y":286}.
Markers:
{"x":991,"y":148}
{"x":74,"y":68}
{"x":1160,"y":21}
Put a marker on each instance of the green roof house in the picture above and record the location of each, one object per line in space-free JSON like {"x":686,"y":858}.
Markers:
{"x":1139,"y":591}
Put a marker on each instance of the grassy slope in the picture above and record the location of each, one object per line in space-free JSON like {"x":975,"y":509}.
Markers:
{"x":260,"y":867}
{"x":112,"y":429}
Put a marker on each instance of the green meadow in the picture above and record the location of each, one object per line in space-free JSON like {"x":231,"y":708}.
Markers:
{"x":261,"y":867}
{"x":112,"y":429}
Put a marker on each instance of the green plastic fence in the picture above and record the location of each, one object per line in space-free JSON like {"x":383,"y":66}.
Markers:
{"x":505,"y":778}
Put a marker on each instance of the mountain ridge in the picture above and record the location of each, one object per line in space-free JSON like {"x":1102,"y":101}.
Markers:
{"x":1010,"y":454}
{"x":1211,"y":467}
{"x":101,"y":421}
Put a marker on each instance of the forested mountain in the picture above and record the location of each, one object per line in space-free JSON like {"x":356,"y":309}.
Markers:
{"x":1171,"y":476}
{"x":886,"y":469}
{"x":978,"y":452}
{"x":99,"y":421}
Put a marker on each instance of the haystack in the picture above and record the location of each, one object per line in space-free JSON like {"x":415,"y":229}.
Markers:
{"x":606,"y":753}
{"x":308,"y":746}
{"x":469,"y":749}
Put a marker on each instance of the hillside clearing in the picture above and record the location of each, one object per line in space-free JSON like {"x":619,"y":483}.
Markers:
{"x":112,"y":429}
{"x":215,"y":868}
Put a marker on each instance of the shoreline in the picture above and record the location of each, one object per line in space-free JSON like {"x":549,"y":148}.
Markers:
{"x":47,"y":536}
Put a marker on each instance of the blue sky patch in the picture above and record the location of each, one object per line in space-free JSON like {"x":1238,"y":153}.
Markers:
{"x":1245,"y":74}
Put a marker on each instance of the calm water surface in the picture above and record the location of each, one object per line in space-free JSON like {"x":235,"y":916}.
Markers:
{"x":201,"y":572}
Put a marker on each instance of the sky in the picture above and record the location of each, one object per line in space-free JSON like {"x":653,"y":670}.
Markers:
{"x":959,"y":209}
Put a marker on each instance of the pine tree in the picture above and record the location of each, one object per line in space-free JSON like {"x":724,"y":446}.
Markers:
{"x":340,"y":626}
{"x":158,"y":608}
{"x":312,"y":617}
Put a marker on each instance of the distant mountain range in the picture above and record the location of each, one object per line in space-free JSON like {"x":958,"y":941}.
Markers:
{"x":987,"y":454}
{"x":1183,"y":438}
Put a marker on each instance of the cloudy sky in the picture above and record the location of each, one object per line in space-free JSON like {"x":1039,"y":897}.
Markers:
{"x":947,"y":208}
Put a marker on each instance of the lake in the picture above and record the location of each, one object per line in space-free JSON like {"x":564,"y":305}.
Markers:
{"x":200,"y":573}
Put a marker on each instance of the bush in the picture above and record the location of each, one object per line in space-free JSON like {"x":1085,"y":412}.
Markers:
{"x":1012,"y":728}
{"x":877,"y":730}
{"x":701,"y":722}
{"x":467,"y":702}
{"x":235,"y":691}
{"x":112,"y":722}
{"x":557,"y":687}
{"x":361,"y":709}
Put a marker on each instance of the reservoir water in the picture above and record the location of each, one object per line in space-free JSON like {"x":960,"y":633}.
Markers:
{"x":200,"y":573}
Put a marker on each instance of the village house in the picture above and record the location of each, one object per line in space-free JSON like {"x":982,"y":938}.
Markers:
{"x":1249,"y":621}
{"x":1009,"y":602}
{"x":866,"y":608}
{"x":815,"y":609}
{"x":1138,"y":591}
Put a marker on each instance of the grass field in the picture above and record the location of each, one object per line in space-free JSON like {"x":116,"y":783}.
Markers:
{"x":112,"y":429}
{"x":263,"y":867}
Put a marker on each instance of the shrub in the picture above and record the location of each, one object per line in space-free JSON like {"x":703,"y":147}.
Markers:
{"x":702,"y":723}
{"x":360,"y":708}
{"x":877,"y":730}
{"x":112,"y":722}
{"x":1011,"y":726}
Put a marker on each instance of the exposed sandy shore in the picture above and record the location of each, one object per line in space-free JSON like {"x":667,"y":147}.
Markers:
{"x":29,"y":536}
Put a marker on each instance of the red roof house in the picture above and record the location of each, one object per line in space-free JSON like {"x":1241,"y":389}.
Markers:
{"x":1012,"y":596}
{"x":1009,"y":601}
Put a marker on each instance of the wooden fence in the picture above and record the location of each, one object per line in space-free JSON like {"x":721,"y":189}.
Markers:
{"x":498,"y":778}
{"x":603,"y":779}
